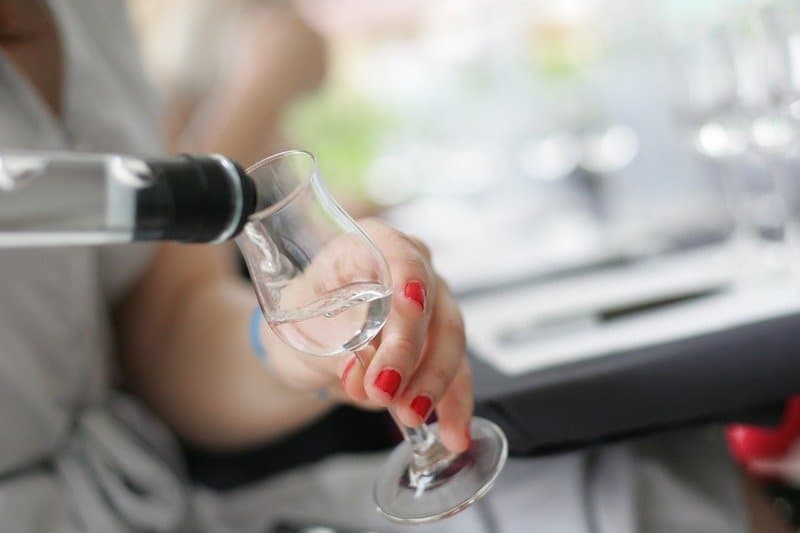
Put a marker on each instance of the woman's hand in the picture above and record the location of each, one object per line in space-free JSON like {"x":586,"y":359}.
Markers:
{"x":418,"y":362}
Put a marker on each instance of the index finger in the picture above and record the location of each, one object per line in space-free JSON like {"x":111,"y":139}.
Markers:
{"x":403,"y":336}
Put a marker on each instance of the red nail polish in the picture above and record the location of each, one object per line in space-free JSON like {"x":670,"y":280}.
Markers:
{"x":347,"y":369}
{"x":388,"y":381}
{"x":415,"y":291}
{"x":421,"y":405}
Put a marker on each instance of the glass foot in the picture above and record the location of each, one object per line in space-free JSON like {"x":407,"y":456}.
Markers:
{"x":414,"y":489}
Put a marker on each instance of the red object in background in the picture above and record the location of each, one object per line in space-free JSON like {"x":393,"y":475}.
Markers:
{"x":750,"y":443}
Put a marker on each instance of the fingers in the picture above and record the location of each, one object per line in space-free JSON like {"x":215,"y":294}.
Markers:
{"x":401,"y":344}
{"x":352,"y":374}
{"x":352,"y":384}
{"x":455,"y":411}
{"x":442,"y":359}
{"x":441,"y":380}
{"x":421,"y":246}
{"x":418,"y":364}
{"x":405,"y":332}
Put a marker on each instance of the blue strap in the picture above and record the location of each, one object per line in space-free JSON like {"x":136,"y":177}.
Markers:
{"x":256,"y":323}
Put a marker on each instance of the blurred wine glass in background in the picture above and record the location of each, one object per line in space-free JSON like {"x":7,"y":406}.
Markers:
{"x":778,"y":132}
{"x":704,"y":105}
{"x":546,"y":123}
{"x":760,"y":76}
{"x":733,"y":105}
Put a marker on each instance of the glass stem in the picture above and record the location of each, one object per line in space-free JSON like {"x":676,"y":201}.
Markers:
{"x":419,"y":438}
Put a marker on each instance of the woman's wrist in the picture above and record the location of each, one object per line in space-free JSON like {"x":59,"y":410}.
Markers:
{"x":263,"y":343}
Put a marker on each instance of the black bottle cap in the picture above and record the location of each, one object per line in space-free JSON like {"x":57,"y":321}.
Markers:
{"x":194,"y":199}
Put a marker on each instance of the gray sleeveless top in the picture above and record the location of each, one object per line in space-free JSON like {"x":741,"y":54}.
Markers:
{"x":68,"y":461}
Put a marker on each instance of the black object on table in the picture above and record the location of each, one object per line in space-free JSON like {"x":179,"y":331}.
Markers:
{"x":741,"y":374}
{"x":343,"y":430}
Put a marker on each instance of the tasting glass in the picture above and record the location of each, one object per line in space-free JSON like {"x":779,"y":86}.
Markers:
{"x":325,"y":290}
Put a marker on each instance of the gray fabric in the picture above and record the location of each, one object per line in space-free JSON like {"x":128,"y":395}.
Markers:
{"x":71,"y":460}
{"x":67,"y":461}
{"x":673,"y":483}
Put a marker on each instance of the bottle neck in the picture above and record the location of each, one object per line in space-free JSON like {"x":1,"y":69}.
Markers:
{"x":193,"y":199}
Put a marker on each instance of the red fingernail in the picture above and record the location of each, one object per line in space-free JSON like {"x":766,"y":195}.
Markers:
{"x":415,"y":291}
{"x":388,"y":381}
{"x":469,"y":437}
{"x":421,"y":405}
{"x":347,"y":369}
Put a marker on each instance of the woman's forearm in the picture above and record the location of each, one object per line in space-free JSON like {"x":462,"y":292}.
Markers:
{"x":243,"y":126}
{"x":186,"y":352}
{"x":217,"y":391}
{"x":277,"y":58}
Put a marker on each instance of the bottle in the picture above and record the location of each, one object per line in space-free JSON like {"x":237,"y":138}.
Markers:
{"x":58,"y":199}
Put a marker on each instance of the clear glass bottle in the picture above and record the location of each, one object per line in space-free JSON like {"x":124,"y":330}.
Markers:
{"x":58,"y":199}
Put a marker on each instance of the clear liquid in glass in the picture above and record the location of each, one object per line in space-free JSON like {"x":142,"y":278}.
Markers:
{"x":343,"y":320}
